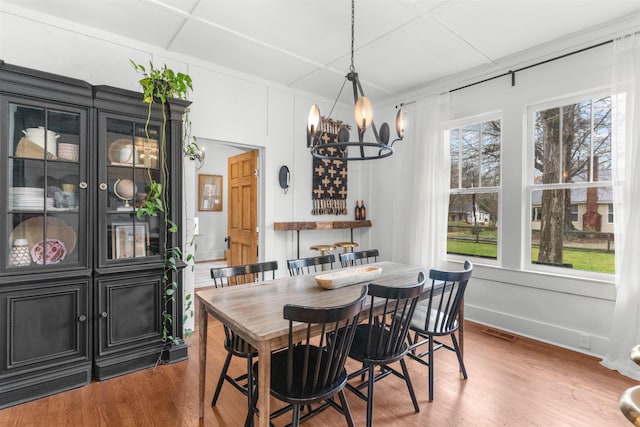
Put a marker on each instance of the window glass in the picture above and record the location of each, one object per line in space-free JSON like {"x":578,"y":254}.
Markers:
{"x":470,"y":156}
{"x":454,"y":141}
{"x":472,"y":225}
{"x":571,"y":221}
{"x":474,"y":195}
{"x":490,"y":172}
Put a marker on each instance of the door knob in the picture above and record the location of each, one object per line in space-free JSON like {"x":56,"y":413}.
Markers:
{"x":104,"y":315}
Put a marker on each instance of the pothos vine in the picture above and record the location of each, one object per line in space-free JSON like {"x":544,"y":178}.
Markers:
{"x":159,"y":85}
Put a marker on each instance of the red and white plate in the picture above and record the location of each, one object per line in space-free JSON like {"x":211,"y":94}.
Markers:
{"x":54,"y":253}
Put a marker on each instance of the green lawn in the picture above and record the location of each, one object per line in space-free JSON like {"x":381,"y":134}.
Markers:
{"x":602,"y":262}
{"x":580,"y":259}
{"x":489,"y":250}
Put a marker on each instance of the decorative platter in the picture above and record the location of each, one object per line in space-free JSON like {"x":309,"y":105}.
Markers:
{"x":32,"y":230}
{"x":121,"y":152}
{"x":54,"y":253}
{"x":348,"y":276}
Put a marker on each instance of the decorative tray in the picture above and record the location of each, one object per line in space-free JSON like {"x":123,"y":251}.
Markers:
{"x":121,"y":152}
{"x":348,"y":276}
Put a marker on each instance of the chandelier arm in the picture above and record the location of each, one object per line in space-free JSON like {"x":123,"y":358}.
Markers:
{"x":337,"y":97}
{"x":392,"y":142}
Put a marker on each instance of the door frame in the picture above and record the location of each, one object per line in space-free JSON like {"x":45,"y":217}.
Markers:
{"x":213,"y":144}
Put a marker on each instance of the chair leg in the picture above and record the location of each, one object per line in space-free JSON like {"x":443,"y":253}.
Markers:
{"x":430,"y":369}
{"x":249,"y":383}
{"x":370,"y":383}
{"x":296,"y":416}
{"x":407,"y":379}
{"x":345,"y":408}
{"x":252,"y":405}
{"x":221,"y":380}
{"x":459,"y":354}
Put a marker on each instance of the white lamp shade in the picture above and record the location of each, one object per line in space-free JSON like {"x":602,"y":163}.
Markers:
{"x":400,"y":123}
{"x":314,"y":119}
{"x":363,"y":112}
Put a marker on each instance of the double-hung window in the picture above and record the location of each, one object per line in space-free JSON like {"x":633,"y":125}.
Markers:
{"x":570,"y":189}
{"x":474,"y":189}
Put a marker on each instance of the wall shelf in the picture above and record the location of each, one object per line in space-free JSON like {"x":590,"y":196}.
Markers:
{"x":297,"y":226}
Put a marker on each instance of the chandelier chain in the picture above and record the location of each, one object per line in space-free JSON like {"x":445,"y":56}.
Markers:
{"x":353,"y":8}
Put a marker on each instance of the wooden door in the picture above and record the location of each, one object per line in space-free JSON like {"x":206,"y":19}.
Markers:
{"x":243,"y":207}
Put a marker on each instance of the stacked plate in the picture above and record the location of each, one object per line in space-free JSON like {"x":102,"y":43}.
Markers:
{"x":28,"y":198}
{"x":68,"y":151}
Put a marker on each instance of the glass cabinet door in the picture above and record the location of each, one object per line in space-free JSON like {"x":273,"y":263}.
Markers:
{"x":45,"y":187}
{"x":132,"y":164}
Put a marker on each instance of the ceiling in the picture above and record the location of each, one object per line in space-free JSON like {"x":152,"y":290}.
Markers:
{"x":400,"y":45}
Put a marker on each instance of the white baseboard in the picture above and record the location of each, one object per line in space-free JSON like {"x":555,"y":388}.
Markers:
{"x":551,"y":334}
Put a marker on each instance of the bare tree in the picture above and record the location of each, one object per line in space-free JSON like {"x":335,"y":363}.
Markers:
{"x":553,"y":201}
{"x":571,"y":140}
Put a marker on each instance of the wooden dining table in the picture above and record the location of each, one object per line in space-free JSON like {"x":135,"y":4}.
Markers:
{"x":254,"y":311}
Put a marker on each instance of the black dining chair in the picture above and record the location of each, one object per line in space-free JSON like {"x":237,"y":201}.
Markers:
{"x":234,"y":344}
{"x":349,"y":259}
{"x":383,"y":339}
{"x":437,"y":316}
{"x":311,"y":369}
{"x":247,"y":273}
{"x":310,"y":265}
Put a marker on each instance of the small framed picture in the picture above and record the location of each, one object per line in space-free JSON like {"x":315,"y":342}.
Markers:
{"x":129,"y":240}
{"x":209,"y":192}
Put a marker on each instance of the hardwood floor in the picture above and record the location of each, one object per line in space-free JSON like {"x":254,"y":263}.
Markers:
{"x":521,"y":383}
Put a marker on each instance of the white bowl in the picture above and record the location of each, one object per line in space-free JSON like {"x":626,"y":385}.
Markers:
{"x":68,"y":151}
{"x":37,"y":135}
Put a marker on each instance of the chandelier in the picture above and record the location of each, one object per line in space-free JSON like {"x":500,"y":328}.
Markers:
{"x":327,"y":148}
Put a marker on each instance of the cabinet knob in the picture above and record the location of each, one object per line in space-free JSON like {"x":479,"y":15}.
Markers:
{"x":103,"y":186}
{"x":82,"y":318}
{"x":83,"y":185}
{"x":104,"y":315}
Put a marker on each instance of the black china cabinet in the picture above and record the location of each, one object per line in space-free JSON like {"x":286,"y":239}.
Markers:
{"x":81,"y":274}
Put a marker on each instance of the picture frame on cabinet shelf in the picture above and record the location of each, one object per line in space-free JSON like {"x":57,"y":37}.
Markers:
{"x":129,"y":240}
{"x":209,"y":192}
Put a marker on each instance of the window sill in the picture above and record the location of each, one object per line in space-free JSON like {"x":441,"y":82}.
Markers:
{"x":600,"y":288}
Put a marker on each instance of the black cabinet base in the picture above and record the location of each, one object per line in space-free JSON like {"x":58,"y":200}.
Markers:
{"x":109,"y":367}
{"x":176,"y":353}
{"x":32,"y":388}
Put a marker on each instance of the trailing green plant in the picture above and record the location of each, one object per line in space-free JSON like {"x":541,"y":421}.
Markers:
{"x":158,"y":86}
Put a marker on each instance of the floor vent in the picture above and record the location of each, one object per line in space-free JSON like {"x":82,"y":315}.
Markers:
{"x":500,"y":334}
